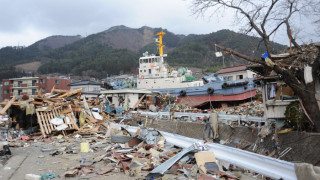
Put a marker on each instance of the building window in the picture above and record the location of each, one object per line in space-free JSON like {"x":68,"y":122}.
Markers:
{"x":43,"y":90}
{"x":239,"y":77}
{"x":42,"y":81}
{"x":19,"y":92}
{"x":57,"y":82}
{"x":6,"y":91}
{"x":145,"y":71}
{"x":149,"y":71}
{"x":19,"y":83}
{"x":34,"y":82}
{"x":34,"y":91}
{"x":6,"y":83}
{"x":140,"y":70}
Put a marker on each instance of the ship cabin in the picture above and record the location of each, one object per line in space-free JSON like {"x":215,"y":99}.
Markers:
{"x":152,"y":66}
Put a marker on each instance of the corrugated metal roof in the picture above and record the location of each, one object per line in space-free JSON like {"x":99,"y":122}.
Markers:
{"x":232,"y":69}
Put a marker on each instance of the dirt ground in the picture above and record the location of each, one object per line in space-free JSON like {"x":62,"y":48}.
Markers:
{"x":32,"y":160}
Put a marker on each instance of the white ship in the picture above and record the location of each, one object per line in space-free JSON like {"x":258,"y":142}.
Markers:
{"x":154,"y":73}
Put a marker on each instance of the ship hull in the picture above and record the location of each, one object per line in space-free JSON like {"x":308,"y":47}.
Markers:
{"x":216,"y":91}
{"x":199,"y":100}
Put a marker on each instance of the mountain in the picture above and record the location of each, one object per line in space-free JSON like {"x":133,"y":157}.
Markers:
{"x":19,"y":54}
{"x":54,"y":42}
{"x":117,"y":50}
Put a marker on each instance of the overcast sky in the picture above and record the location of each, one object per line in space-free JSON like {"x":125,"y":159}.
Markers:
{"x":23,"y":22}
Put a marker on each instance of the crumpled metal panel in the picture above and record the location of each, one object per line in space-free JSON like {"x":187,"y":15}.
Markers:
{"x":166,"y":165}
{"x":149,"y":135}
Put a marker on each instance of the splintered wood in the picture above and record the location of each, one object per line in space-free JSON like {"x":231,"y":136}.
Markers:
{"x":47,"y":127}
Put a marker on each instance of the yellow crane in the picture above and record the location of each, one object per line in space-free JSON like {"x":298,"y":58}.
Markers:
{"x":160,"y":34}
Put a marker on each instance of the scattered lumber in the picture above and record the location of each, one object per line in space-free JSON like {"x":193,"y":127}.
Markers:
{"x":8,"y":105}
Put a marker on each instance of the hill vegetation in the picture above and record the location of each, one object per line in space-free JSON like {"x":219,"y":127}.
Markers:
{"x":117,"y":50}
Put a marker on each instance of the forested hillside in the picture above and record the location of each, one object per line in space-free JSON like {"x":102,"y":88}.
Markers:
{"x":11,"y":56}
{"x":117,"y":50}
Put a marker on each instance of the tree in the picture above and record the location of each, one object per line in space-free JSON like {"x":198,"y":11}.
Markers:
{"x":265,"y":18}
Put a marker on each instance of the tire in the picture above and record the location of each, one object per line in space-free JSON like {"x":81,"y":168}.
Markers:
{"x":210,"y":90}
{"x":182,"y":93}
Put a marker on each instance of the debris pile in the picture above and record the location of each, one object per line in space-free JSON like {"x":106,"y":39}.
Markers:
{"x":59,"y":111}
{"x":253,"y":108}
{"x":140,"y":155}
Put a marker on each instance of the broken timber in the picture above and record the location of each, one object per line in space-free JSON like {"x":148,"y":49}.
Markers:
{"x":8,"y":105}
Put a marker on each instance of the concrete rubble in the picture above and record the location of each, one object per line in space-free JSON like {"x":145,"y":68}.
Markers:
{"x":77,"y":138}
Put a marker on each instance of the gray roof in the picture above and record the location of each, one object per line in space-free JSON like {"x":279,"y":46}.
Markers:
{"x":79,"y":83}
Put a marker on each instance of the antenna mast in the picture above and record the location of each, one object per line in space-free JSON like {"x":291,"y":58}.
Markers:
{"x":160,"y":34}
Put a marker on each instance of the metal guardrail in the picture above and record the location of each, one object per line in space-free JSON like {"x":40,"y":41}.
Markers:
{"x":264,"y":165}
{"x":201,"y":115}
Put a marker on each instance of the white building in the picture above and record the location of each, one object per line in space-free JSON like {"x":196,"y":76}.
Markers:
{"x":90,"y":89}
{"x":126,"y":97}
{"x":235,"y":73}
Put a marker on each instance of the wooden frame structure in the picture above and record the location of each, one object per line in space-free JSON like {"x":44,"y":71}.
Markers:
{"x":44,"y":116}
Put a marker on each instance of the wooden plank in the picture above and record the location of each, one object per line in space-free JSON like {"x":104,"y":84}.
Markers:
{"x":49,"y":125}
{"x":70,"y":93}
{"x":77,"y":109}
{"x":138,"y":102}
{"x":51,"y":92}
{"x":66,"y":111}
{"x":48,"y":116}
{"x":73,"y":122}
{"x":37,"y":103}
{"x":73,"y":116}
{"x":40,"y":123}
{"x":44,"y":123}
{"x":8,"y":105}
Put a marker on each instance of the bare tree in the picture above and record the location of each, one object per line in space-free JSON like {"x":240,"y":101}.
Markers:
{"x":265,"y":18}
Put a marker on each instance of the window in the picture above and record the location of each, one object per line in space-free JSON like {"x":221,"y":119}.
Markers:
{"x":19,"y":83}
{"x":34,"y":82}
{"x":6,"y":91}
{"x":149,"y":71}
{"x":43,"y":90}
{"x":140,"y":70}
{"x":239,"y":77}
{"x":145,"y":71}
{"x":34,"y":91}
{"x":57,"y":82}
{"x":19,"y":92}
{"x":42,"y":81}
{"x":6,"y":83}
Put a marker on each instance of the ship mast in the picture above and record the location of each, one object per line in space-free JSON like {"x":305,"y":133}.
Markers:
{"x":160,"y":34}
